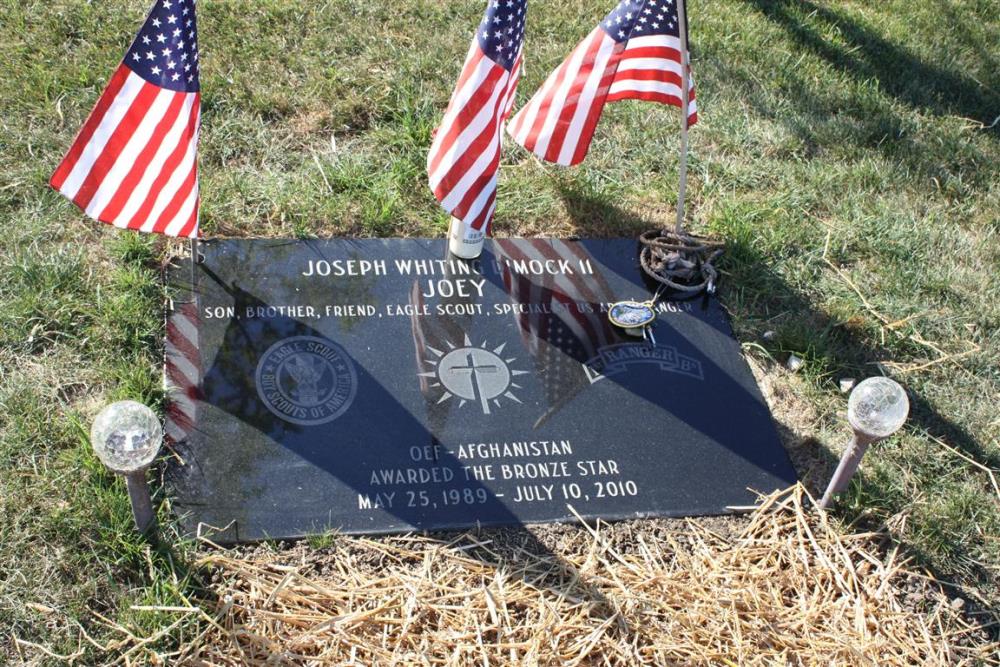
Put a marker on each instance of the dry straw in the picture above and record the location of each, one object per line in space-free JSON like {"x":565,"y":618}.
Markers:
{"x":787,"y":588}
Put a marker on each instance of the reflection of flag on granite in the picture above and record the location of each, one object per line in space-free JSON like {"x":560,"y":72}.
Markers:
{"x":634,"y":54}
{"x":429,"y":334}
{"x":182,"y":372}
{"x":569,"y":326}
{"x":433,"y":335}
{"x":463,"y":160}
{"x":134,"y":162}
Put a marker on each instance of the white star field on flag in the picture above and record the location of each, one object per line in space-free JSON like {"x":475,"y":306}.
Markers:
{"x":501,"y":32}
{"x":165,"y":53}
{"x":636,"y":18}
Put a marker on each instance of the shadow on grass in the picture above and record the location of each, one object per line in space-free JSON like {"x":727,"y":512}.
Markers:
{"x":873,"y":499}
{"x":914,"y":80}
{"x":594,"y":217}
{"x":838,"y":119}
{"x":752,"y":287}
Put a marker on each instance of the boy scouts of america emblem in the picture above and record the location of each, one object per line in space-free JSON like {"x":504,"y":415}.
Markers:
{"x":306,"y":380}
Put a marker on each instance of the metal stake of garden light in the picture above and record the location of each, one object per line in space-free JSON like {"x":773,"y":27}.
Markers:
{"x":685,"y":104}
{"x":877,"y":408}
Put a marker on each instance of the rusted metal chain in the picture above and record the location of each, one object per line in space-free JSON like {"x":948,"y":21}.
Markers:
{"x":683,"y":262}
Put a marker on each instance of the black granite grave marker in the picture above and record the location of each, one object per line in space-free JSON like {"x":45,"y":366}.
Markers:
{"x":372,"y":386}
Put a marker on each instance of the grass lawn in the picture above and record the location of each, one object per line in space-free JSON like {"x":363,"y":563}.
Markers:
{"x":848,"y":152}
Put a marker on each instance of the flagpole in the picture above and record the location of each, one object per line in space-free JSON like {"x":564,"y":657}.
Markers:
{"x":685,"y":103}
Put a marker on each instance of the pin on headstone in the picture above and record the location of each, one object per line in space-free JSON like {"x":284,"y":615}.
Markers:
{"x":634,"y":317}
{"x":126,"y":436}
{"x":877,"y":408}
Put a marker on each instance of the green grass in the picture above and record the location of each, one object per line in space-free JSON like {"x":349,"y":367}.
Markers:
{"x":844,"y":134}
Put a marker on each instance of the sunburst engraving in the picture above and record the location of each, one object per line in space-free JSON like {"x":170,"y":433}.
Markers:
{"x":472,"y":374}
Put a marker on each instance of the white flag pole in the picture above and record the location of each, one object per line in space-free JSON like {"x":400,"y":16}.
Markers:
{"x":685,"y":103}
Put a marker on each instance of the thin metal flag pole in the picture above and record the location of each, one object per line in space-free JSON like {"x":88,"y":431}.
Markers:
{"x":685,"y":66}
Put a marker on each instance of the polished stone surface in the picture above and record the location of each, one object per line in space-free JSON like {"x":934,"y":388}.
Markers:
{"x":371,"y":386}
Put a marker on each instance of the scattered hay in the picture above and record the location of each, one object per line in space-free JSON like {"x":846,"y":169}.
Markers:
{"x":788,"y":588}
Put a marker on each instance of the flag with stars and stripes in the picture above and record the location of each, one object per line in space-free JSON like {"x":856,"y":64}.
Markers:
{"x":570,"y":324}
{"x":464,"y":157}
{"x":634,"y":53}
{"x":134,"y":162}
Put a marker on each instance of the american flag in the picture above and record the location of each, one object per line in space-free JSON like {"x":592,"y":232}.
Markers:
{"x":572,"y":324}
{"x":463,"y":160}
{"x":134,"y":162}
{"x":635,"y":53}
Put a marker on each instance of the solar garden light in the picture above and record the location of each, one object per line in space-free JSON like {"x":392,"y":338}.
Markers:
{"x":876,"y":409}
{"x":126,"y":437}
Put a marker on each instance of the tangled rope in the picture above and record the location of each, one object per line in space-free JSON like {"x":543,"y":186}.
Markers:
{"x":683,"y":262}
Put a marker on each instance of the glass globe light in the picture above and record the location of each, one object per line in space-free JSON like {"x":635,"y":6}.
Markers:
{"x":126,"y":436}
{"x":878,"y":407}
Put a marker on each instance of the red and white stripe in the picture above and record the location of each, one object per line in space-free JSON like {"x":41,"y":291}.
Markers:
{"x":464,"y":158}
{"x":589,"y":325}
{"x":577,"y":303}
{"x":134,"y":162}
{"x":182,"y":372}
{"x":558,"y":122}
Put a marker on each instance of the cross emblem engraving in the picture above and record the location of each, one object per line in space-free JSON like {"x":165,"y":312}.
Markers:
{"x":474,"y":372}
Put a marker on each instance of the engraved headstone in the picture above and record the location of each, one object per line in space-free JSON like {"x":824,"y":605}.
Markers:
{"x":378,"y":386}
